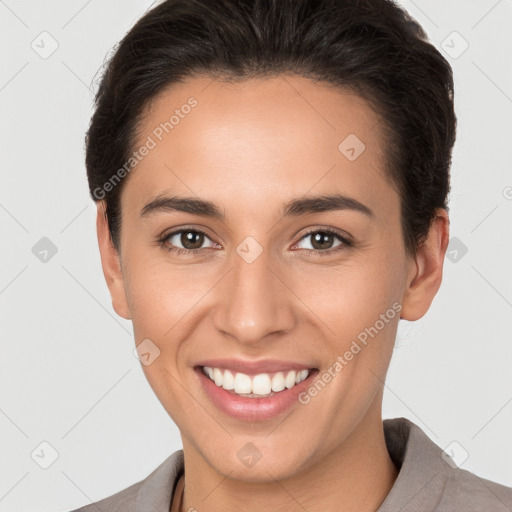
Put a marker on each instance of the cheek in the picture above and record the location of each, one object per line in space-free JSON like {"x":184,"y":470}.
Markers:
{"x":350,"y":297}
{"x":160,"y":293}
{"x":359,"y":306}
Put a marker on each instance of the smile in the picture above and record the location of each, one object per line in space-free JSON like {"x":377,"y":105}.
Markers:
{"x":255,"y":395}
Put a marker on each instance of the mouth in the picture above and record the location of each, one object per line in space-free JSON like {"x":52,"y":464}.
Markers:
{"x":251,"y":395}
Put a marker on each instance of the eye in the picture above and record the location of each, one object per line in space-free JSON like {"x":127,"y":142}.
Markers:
{"x":323,"y":241}
{"x":186,"y":241}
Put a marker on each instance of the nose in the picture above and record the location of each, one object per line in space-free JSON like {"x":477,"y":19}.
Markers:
{"x":254,"y":302}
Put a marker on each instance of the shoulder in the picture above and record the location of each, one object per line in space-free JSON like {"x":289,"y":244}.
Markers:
{"x":121,"y":501}
{"x":430,"y":480}
{"x":154,"y":492}
{"x":464,"y":488}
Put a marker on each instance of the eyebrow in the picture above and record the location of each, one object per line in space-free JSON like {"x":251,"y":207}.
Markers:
{"x":296,"y":207}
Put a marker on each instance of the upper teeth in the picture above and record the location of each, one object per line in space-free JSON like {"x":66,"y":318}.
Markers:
{"x":261,"y":384}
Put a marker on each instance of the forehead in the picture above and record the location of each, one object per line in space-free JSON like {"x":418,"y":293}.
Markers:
{"x":251,"y":141}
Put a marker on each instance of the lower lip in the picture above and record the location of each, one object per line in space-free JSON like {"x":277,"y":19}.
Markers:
{"x":253,"y":409}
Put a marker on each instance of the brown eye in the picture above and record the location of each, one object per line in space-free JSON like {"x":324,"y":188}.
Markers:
{"x":323,"y":241}
{"x":191,"y":239}
{"x":186,"y":240}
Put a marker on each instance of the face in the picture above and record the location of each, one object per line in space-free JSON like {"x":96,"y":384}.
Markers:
{"x":295,"y":259}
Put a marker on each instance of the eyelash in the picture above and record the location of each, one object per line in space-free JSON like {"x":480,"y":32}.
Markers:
{"x":346,"y":243}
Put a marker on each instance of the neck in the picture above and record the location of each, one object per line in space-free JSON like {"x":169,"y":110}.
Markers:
{"x":357,"y":476}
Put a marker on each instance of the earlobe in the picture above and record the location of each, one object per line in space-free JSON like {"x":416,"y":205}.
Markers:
{"x":111,"y":264}
{"x":426,"y":274}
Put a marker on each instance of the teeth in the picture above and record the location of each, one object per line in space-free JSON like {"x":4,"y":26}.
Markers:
{"x":263,"y":384}
{"x":218,"y":378}
{"x":289,"y":382}
{"x":228,"y":381}
{"x":278,"y":382}
{"x":242,"y":383}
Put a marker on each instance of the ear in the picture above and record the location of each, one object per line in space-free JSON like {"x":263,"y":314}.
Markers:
{"x":111,"y":264}
{"x":426,"y":273}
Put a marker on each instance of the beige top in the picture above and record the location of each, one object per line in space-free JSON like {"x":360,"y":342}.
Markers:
{"x":426,"y":481}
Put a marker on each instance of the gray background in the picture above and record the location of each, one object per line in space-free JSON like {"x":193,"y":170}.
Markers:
{"x":68,"y":376}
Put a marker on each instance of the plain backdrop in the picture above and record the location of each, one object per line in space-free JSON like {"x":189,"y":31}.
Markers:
{"x":68,"y":376}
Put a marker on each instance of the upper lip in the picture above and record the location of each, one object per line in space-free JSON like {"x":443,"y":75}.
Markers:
{"x":255,"y":367}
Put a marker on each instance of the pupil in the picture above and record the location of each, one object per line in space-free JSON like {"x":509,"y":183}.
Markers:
{"x":192,"y":240}
{"x":322,"y":240}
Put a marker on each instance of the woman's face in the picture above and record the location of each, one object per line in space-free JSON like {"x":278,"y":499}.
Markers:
{"x":265,"y":283}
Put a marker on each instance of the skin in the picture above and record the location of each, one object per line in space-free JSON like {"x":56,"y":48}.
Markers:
{"x":251,"y":147}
